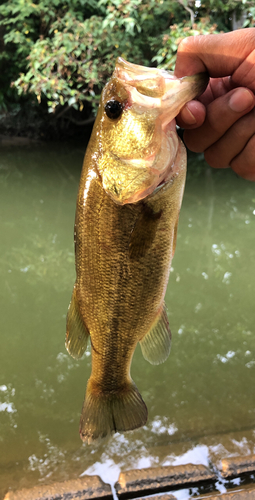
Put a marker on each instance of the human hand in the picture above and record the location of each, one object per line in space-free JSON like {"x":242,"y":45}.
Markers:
{"x":222,"y":121}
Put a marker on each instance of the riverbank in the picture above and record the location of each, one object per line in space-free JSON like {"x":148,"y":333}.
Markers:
{"x":32,"y":123}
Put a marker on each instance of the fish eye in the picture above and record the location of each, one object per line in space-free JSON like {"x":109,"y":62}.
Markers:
{"x":113,"y":109}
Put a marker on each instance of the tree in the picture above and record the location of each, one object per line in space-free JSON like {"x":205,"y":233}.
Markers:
{"x":62,"y":52}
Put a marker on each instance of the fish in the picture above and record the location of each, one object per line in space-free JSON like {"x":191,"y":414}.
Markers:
{"x":127,"y":212}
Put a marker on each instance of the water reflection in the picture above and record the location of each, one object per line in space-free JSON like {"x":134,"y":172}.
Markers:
{"x":195,"y":415}
{"x":160,"y":426}
{"x":7,"y":406}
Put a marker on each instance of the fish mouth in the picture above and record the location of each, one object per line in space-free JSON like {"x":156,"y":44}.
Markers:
{"x":161,"y":184}
{"x":158,"y":95}
{"x":159,"y":88}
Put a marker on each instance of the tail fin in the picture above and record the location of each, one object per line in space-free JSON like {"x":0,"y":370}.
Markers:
{"x":106,"y":412}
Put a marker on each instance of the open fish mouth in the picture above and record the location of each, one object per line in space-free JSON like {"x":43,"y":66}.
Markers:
{"x":159,"y":88}
{"x":143,"y":140}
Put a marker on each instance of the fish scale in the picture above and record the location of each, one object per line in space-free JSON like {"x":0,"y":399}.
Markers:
{"x":127,"y":214}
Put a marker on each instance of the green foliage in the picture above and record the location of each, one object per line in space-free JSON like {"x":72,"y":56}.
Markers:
{"x":75,"y":59}
{"x":25,"y":23}
{"x":63,"y":51}
{"x":166,"y":54}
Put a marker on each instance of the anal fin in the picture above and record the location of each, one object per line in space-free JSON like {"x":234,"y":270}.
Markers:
{"x":76,"y":332}
{"x":156,"y":344}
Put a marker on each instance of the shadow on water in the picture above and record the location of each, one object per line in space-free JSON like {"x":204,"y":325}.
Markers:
{"x":201,"y":401}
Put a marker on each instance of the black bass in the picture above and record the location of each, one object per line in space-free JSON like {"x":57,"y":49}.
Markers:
{"x":127,"y":214}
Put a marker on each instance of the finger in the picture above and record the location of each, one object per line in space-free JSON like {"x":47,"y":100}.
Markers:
{"x":221,"y":115}
{"x":217,"y":87}
{"x":244,"y":163}
{"x":192,"y":115}
{"x":220,"y":55}
{"x":225,"y":150}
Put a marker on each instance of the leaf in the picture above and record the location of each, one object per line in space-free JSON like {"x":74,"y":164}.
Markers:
{"x":71,"y":101}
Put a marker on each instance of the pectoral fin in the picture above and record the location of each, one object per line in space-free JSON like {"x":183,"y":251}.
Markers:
{"x":76,"y":332}
{"x":156,"y":343}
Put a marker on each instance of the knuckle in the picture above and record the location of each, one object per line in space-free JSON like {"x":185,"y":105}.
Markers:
{"x":242,"y":134}
{"x":245,"y":128}
{"x":244,"y":163}
{"x":192,"y":141}
{"x":184,"y":44}
{"x":210,"y":158}
{"x":213,"y":158}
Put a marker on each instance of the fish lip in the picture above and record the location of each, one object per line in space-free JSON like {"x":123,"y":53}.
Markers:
{"x":135,"y":75}
{"x":161,"y":183}
{"x":130,"y":70}
{"x":169,"y":174}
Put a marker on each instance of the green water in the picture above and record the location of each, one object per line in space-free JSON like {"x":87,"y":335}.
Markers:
{"x":201,"y":402}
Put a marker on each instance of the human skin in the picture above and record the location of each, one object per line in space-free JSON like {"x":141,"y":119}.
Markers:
{"x":221,"y":123}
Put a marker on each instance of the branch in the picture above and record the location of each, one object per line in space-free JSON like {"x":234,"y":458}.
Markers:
{"x":83,"y":122}
{"x":63,"y":111}
{"x":190,"y":11}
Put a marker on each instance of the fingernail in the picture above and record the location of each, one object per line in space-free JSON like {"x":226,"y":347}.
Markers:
{"x":241,"y":100}
{"x":187,"y":116}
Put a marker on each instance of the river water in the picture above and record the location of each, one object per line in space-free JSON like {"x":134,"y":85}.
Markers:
{"x":201,"y":401}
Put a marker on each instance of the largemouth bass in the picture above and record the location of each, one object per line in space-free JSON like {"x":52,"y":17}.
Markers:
{"x":127,"y":214}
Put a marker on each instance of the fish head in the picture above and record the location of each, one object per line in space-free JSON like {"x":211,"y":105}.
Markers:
{"x":136,"y":132}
